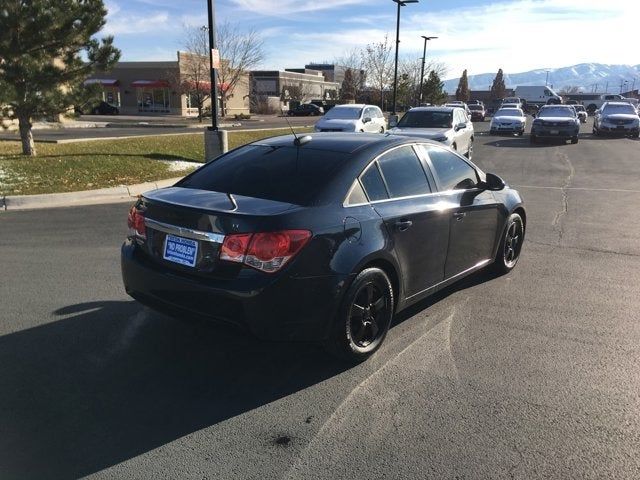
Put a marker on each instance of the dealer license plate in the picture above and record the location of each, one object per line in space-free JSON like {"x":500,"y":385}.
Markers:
{"x":180,"y":250}
{"x":554,"y":132}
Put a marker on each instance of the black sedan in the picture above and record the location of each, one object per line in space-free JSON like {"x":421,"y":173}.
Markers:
{"x":320,"y":238}
{"x":306,"y":110}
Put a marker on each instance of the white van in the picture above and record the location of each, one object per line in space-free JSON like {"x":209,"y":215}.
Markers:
{"x":537,"y":94}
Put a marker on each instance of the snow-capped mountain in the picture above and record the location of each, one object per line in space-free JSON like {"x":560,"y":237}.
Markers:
{"x":587,"y":76}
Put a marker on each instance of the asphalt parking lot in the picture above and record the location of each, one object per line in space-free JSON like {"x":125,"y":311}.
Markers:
{"x":535,"y":374}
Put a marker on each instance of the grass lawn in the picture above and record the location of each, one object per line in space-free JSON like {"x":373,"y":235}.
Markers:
{"x":106,"y":163}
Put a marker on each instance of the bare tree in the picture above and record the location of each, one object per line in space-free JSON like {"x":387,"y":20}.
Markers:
{"x":378,"y":62}
{"x":195,"y":73}
{"x":240,"y":51}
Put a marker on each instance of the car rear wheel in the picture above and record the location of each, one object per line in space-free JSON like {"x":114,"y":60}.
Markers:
{"x":381,"y":129}
{"x":469,"y":154}
{"x":364,"y":317}
{"x":510,"y":245}
{"x":574,"y":140}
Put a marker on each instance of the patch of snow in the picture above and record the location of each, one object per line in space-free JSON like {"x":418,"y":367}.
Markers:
{"x":178,"y":165}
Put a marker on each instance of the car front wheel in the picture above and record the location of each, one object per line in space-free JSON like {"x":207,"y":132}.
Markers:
{"x":364,"y":317}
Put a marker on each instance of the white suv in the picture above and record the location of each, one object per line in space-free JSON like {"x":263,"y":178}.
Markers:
{"x":448,"y":125}
{"x":352,"y":118}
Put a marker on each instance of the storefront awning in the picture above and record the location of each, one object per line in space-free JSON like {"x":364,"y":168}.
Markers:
{"x":150,"y":84}
{"x":105,"y":82}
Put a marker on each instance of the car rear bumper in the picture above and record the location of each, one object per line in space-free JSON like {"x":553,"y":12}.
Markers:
{"x":273,"y":307}
{"x":554,"y":132}
{"x":619,"y":129}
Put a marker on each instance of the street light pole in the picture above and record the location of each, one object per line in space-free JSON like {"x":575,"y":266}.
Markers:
{"x":401,"y":3}
{"x":214,"y":76}
{"x":424,"y":56}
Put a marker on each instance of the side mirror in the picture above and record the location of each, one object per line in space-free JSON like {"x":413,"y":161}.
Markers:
{"x":393,"y":121}
{"x":460,"y":126}
{"x":492,"y":182}
{"x":366,"y":120}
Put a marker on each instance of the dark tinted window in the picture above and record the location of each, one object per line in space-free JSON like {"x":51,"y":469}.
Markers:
{"x":286,"y":174}
{"x":357,"y":195}
{"x":403,"y":173}
{"x":452,"y":171}
{"x":426,"y":119}
{"x":373,"y":184}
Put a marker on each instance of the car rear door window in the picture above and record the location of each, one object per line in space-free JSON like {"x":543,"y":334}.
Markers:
{"x":374,"y":184}
{"x":403,"y":173}
{"x":453,"y":173}
{"x":282,"y":173}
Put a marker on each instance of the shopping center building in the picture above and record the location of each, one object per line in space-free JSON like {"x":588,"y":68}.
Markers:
{"x":159,"y":88}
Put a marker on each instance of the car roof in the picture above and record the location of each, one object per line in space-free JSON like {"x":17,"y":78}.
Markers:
{"x":434,"y":109}
{"x":343,"y":142}
{"x":353,"y":105}
{"x":618,"y":103}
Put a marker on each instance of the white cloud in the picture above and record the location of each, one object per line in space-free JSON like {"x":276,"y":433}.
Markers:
{"x":119,"y":23}
{"x":286,"y":7}
{"x":515,"y":36}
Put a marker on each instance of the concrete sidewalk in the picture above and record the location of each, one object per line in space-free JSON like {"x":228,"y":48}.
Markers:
{"x":123,"y":193}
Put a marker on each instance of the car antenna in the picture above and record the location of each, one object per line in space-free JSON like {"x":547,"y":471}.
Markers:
{"x":299,"y":141}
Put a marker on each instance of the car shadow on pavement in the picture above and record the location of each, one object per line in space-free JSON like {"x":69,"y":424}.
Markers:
{"x":112,"y":380}
{"x":524,"y":142}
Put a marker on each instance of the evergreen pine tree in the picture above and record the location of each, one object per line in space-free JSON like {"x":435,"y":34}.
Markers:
{"x":498,"y":89}
{"x":432,"y":89}
{"x":462,"y":92}
{"x":41,"y":67}
{"x":348,"y":90}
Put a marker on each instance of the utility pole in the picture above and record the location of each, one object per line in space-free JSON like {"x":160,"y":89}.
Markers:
{"x":401,"y":3}
{"x":424,"y":56}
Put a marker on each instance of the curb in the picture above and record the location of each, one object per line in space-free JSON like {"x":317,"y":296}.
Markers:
{"x":123,"y":193}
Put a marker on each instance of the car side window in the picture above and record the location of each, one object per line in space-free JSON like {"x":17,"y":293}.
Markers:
{"x":403,"y":173}
{"x":453,"y":173}
{"x":368,"y":113}
{"x":356,"y":195}
{"x":373,"y":184}
{"x":378,"y":112}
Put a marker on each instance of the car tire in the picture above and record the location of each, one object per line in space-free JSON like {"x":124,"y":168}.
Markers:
{"x":364,"y":317}
{"x":595,"y":131}
{"x":381,"y":129}
{"x":510,"y":245}
{"x":532,"y":138}
{"x":574,"y":140}
{"x":469,"y":153}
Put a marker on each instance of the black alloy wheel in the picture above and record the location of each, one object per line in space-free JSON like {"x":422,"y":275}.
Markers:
{"x":510,"y":245}
{"x":364,"y":317}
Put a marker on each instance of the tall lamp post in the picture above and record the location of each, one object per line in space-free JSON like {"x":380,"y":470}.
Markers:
{"x":401,"y":3}
{"x":214,"y":79}
{"x":424,"y":56}
{"x":215,"y":140}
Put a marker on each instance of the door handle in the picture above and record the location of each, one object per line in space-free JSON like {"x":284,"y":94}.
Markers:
{"x":403,"y":225}
{"x":459,"y":215}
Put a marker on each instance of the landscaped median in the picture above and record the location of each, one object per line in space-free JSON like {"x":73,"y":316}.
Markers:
{"x":101,"y":164}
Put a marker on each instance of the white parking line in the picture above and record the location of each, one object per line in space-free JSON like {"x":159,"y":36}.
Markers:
{"x":619,"y":190}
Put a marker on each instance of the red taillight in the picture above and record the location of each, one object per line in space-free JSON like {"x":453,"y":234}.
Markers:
{"x":135,"y":221}
{"x":235,"y":247}
{"x":267,"y":251}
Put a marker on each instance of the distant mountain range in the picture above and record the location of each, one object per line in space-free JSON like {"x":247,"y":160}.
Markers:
{"x":587,"y":76}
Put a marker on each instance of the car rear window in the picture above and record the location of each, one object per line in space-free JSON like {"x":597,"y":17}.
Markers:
{"x":556,"y":112}
{"x":282,"y":173}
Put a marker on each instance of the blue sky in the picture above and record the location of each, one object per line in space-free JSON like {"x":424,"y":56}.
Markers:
{"x":481,"y":36}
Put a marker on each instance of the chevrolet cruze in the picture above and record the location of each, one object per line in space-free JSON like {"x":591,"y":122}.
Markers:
{"x":321,"y":238}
